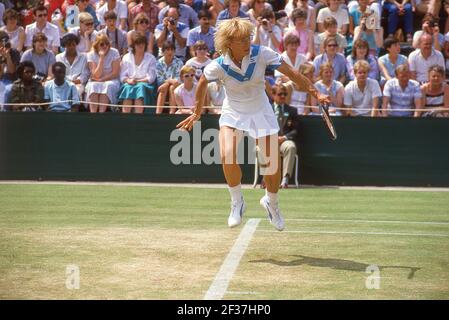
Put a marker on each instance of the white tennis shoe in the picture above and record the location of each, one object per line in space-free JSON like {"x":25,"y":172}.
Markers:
{"x":236,"y":215}
{"x":273,"y":213}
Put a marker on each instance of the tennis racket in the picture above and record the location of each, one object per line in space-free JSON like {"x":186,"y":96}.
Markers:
{"x":324,"y":110}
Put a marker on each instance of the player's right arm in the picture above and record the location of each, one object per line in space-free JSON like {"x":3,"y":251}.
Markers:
{"x":200,"y":97}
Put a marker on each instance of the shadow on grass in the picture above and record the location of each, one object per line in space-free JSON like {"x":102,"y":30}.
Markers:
{"x":337,"y":264}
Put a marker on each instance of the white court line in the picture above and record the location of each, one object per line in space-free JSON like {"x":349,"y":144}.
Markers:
{"x":370,"y":221}
{"x":221,"y":282}
{"x":361,"y":232}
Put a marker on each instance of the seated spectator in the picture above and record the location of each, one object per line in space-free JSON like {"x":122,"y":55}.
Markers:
{"x":331,"y":55}
{"x":362,"y":9}
{"x":26,"y":90}
{"x":401,"y":93}
{"x":232,"y":10}
{"x":446,"y":51}
{"x":172,"y":30}
{"x":306,"y":36}
{"x":2,"y":96}
{"x":41,"y":57}
{"x":121,"y":11}
{"x":85,"y":32}
{"x":299,"y":99}
{"x":150,"y":9}
{"x":196,"y":5}
{"x":305,"y":5}
{"x":116,"y":36}
{"x":333,"y":88}
{"x":363,"y":94}
{"x":9,"y":59}
{"x":141,"y":25}
{"x":371,"y":32}
{"x":390,"y":61}
{"x":62,"y":94}
{"x":421,"y":59}
{"x":42,"y":26}
{"x":430,"y":26}
{"x":214,"y":7}
{"x":396,"y":8}
{"x":77,"y":70}
{"x":104,"y":65}
{"x":216,"y":95}
{"x":138,"y":75}
{"x":360,"y":52}
{"x":85,"y":6}
{"x":185,"y":93}
{"x":288,"y":123}
{"x":339,"y":13}
{"x":168,"y":71}
{"x":330,"y":30}
{"x":204,"y":32}
{"x":435,"y":94}
{"x":200,"y":59}
{"x":187,"y":15}
{"x":291,"y":55}
{"x":15,"y":32}
{"x":268,"y":34}
{"x":255,"y":9}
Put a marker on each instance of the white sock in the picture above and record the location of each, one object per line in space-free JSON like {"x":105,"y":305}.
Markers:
{"x":236,"y":192}
{"x":274,"y":197}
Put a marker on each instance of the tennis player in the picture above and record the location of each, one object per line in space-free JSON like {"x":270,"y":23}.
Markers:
{"x":246,"y":108}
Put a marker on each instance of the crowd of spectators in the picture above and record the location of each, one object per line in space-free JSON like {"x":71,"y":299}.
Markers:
{"x":374,"y":58}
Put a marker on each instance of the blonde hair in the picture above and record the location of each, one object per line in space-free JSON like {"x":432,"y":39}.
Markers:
{"x":102,"y":37}
{"x":140,"y":16}
{"x":325,"y":66}
{"x":85,"y":17}
{"x":186,"y":69}
{"x":230,"y":29}
{"x":361,"y":65}
{"x":306,"y":68}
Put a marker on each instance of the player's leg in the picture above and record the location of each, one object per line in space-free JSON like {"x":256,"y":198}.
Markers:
{"x":229,"y":140}
{"x":270,"y":166}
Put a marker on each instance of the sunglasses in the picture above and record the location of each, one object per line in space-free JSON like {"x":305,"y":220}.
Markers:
{"x":103,"y":44}
{"x":189,"y":75}
{"x":282,"y":94}
{"x":201,"y":48}
{"x":144,"y":22}
{"x":332,"y":45}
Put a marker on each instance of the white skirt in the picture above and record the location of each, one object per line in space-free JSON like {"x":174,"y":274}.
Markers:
{"x":260,"y":124}
{"x":109,"y":88}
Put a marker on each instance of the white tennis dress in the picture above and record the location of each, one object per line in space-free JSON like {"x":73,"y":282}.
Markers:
{"x":246,"y":106}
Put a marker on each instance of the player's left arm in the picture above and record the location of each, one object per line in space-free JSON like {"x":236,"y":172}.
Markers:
{"x":302,"y":82}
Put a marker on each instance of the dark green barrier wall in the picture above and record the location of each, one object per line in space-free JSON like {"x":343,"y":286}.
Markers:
{"x":117,"y":147}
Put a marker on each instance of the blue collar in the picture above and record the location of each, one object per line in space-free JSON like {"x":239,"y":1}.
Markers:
{"x":249,"y":71}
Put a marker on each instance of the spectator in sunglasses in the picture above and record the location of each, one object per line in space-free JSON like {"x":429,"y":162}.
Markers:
{"x":85,"y":6}
{"x":42,"y":25}
{"x":200,"y":60}
{"x":185,"y":93}
{"x":141,"y":25}
{"x":86,"y":32}
{"x":104,"y":66}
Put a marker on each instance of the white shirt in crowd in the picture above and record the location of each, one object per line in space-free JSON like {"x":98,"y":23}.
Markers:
{"x":300,"y":59}
{"x":146,"y":69}
{"x":83,"y":46}
{"x":187,"y":97}
{"x":356,"y":99}
{"x":341,"y":15}
{"x":78,"y":69}
{"x":50,"y":30}
{"x":121,"y":10}
{"x":421,"y":66}
{"x":199,"y":67}
{"x":265,"y":39}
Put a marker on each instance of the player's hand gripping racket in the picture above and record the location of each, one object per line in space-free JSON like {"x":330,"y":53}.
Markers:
{"x":324,"y":110}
